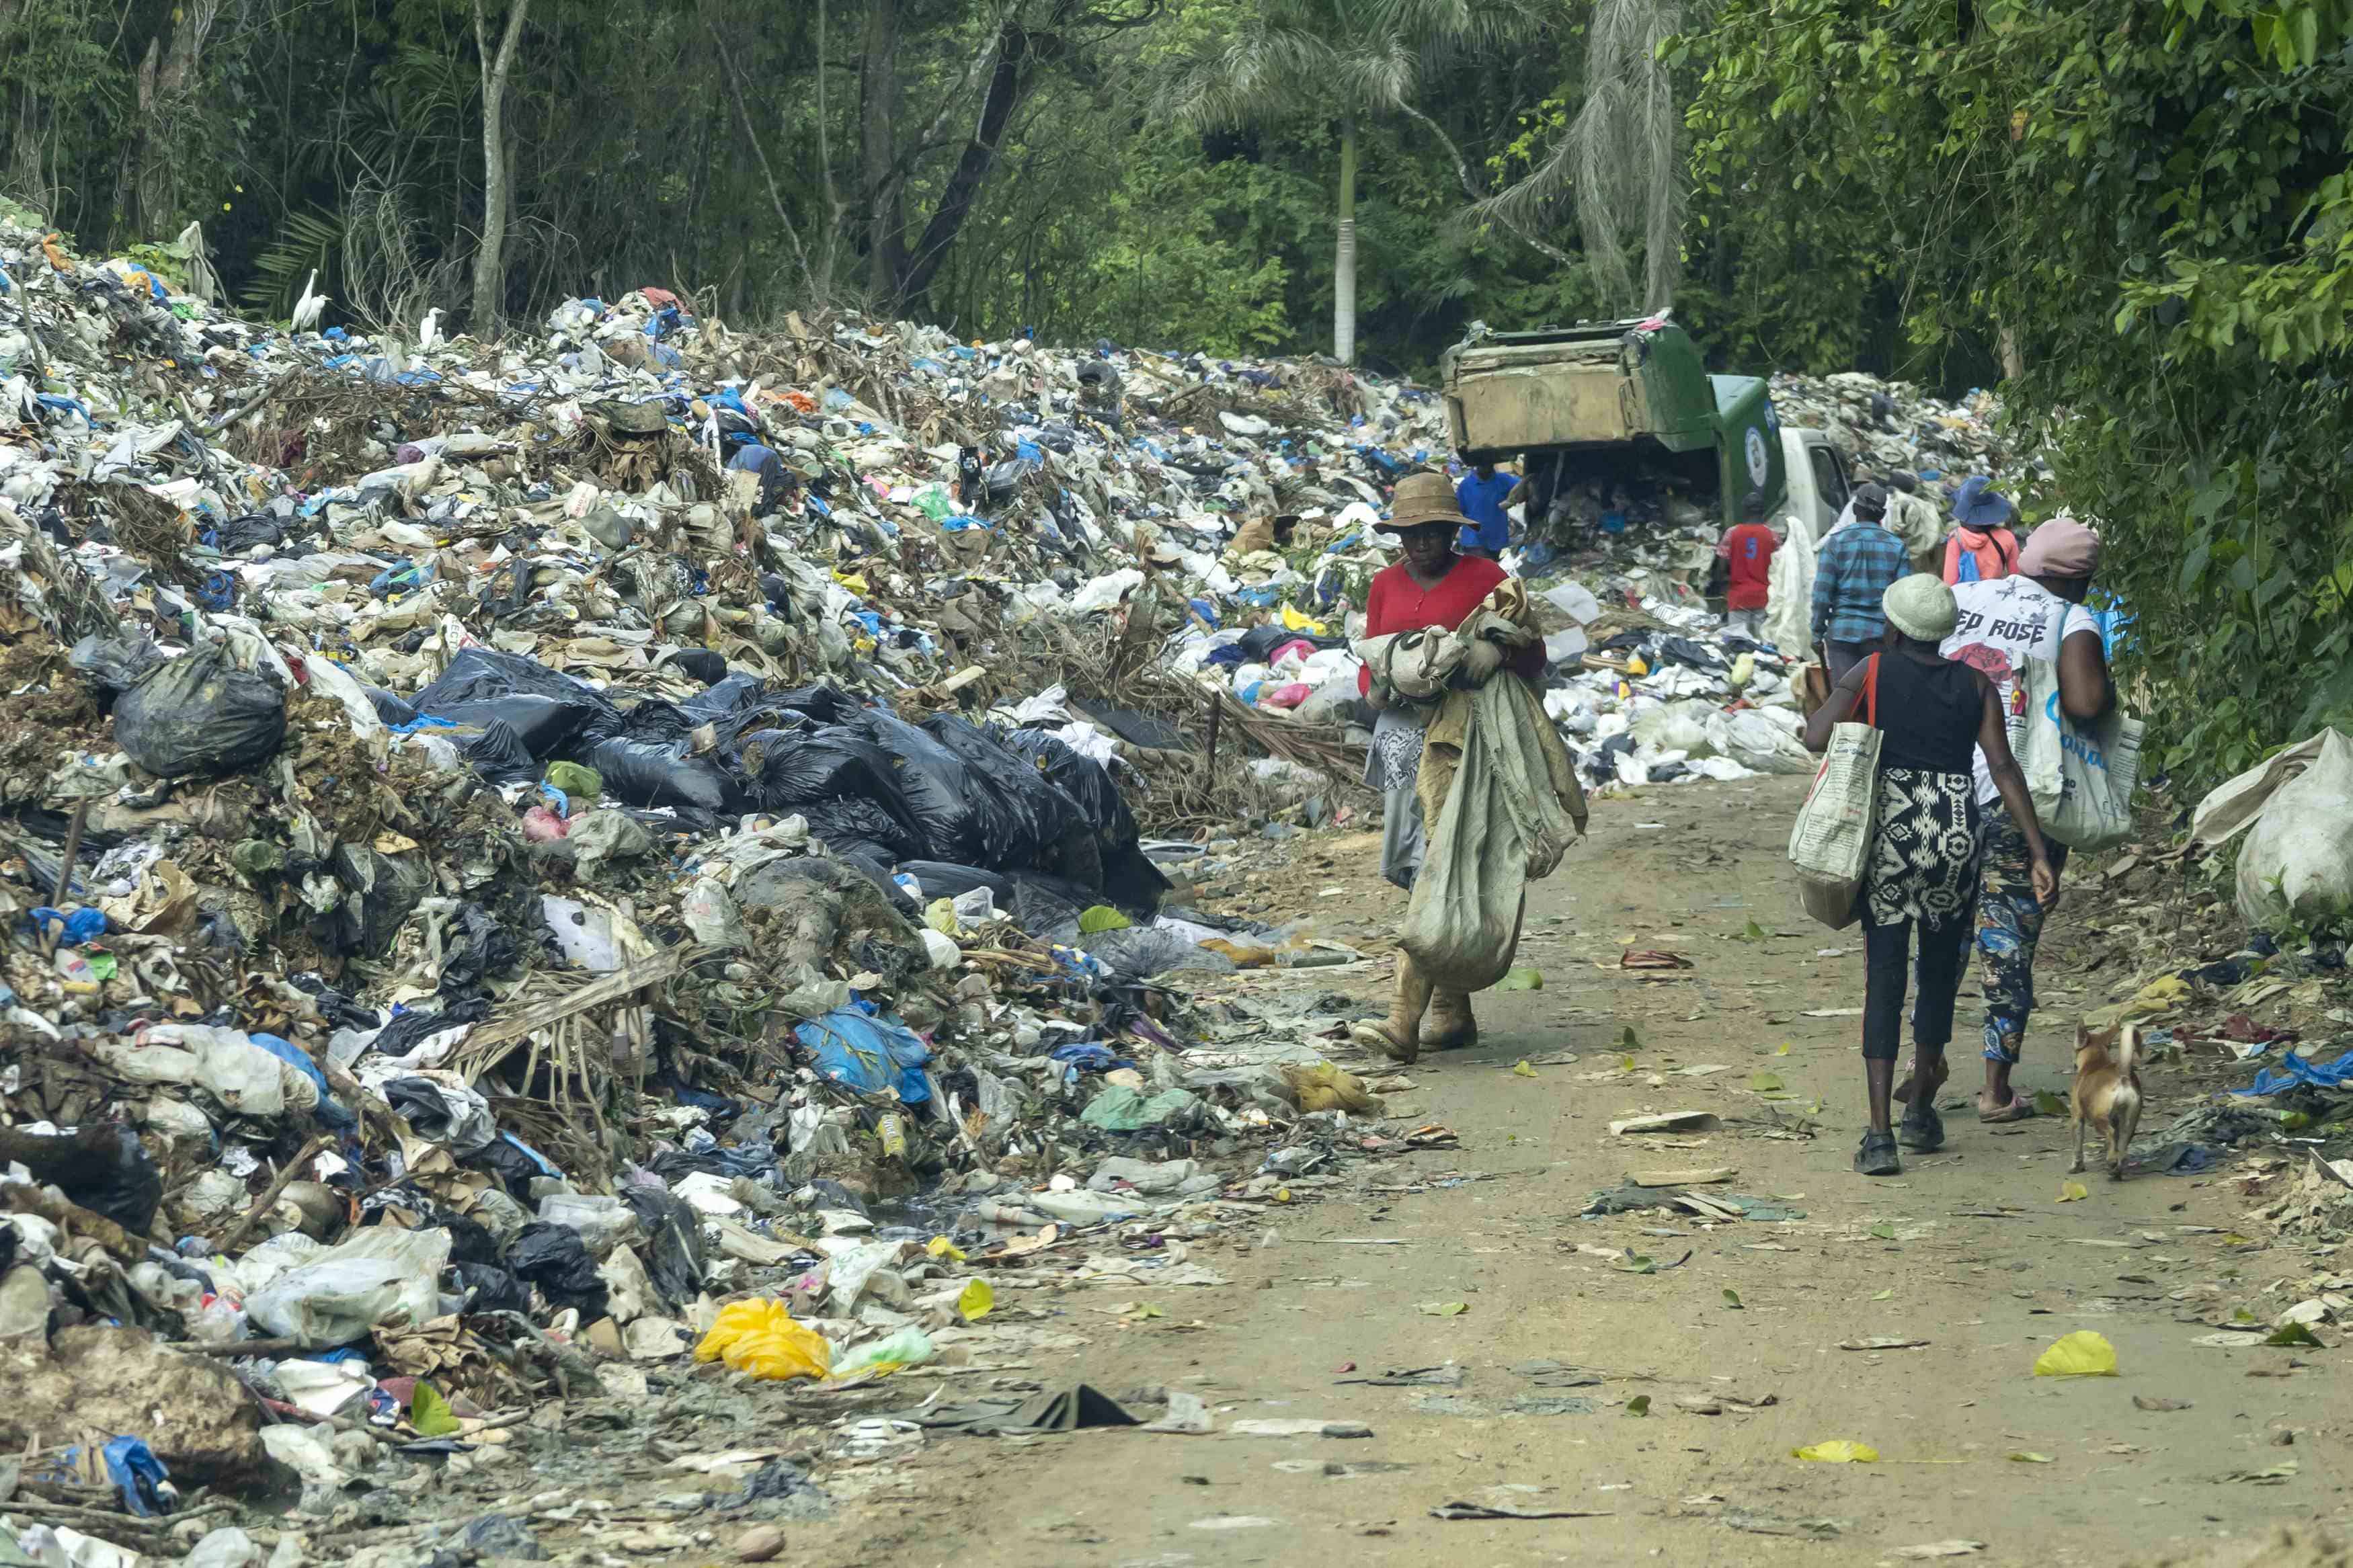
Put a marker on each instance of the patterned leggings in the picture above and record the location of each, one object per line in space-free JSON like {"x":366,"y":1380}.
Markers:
{"x":2010,"y":926}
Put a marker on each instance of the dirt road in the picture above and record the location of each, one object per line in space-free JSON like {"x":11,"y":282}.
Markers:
{"x":1970,"y":1251}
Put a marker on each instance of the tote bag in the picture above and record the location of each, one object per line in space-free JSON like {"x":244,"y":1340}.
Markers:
{"x":1829,"y":844}
{"x":2080,"y":773}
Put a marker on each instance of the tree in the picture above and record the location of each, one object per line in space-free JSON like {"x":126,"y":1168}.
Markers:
{"x":490,"y":256}
{"x":1618,"y":158}
{"x":1024,"y":36}
{"x":2142,"y":207}
{"x":1343,"y":60}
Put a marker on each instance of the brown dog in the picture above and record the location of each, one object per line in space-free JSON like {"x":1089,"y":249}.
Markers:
{"x":2107,"y":1090}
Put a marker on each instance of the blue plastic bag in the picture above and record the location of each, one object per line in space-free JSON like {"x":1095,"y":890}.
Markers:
{"x":2295,"y":1070}
{"x":869,"y":1054}
{"x":139,"y":1476}
{"x":330,"y":1113}
{"x":82,"y":923}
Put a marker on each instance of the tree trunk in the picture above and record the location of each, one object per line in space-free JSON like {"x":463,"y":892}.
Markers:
{"x":490,"y":257}
{"x":878,"y":87}
{"x":162,"y":84}
{"x":1344,"y":250}
{"x":1005,"y":84}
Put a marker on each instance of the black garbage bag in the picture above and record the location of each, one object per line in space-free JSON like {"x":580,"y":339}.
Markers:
{"x":499,"y":754}
{"x":672,"y":1251}
{"x":101,"y":1167}
{"x":110,"y":666}
{"x":545,"y":707}
{"x":409,"y":1029}
{"x":470,"y":1240}
{"x":239,"y":535}
{"x":702,"y":663}
{"x":379,"y":892}
{"x":390,"y":709}
{"x":486,"y":948}
{"x":1125,"y":874}
{"x":846,"y":824}
{"x":491,"y":1289}
{"x":513,"y":1167}
{"x":199,"y":716}
{"x":786,"y":771}
{"x":650,"y":773}
{"x":1087,"y":782}
{"x":1024,"y":819}
{"x":554,"y":1258}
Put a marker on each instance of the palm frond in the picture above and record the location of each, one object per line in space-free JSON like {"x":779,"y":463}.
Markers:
{"x":1617,"y":160}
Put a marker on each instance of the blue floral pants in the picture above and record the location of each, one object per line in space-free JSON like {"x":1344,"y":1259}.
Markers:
{"x":2010,"y":926}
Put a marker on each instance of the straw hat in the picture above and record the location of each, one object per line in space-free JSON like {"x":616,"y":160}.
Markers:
{"x":1421,"y":499}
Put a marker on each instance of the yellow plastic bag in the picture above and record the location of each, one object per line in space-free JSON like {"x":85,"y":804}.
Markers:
{"x":976,"y":1300}
{"x":2080,"y":1354}
{"x":760,"y":1338}
{"x":1323,"y":1086}
{"x":1838,"y":1451}
{"x":941,"y":916}
{"x":1293,"y":621}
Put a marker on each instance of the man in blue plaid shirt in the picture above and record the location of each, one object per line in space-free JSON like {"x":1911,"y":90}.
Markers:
{"x":1859,"y":560}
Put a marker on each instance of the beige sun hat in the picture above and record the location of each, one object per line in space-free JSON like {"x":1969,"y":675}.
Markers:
{"x":1421,"y":499}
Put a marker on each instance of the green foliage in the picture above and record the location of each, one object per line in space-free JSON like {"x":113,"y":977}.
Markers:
{"x":2154,"y":208}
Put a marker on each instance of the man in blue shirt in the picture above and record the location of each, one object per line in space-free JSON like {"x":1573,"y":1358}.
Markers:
{"x":1857,"y":564}
{"x":1479,"y":497}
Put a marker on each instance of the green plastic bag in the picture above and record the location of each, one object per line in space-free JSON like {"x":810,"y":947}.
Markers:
{"x":577,"y":782}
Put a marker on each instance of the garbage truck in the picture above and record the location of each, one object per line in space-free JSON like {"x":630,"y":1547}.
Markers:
{"x":1602,"y":413}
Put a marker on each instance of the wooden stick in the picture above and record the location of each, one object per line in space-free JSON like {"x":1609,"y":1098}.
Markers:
{"x":236,"y":1347}
{"x":269,"y":1199}
{"x":73,"y":847}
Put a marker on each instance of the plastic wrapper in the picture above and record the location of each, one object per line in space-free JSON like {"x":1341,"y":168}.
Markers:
{"x":760,"y":1339}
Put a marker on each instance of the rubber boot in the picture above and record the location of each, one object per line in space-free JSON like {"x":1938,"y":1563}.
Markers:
{"x":1449,"y":1026}
{"x":1399,"y":1038}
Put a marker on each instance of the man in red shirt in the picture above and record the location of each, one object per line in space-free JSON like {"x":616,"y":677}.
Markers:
{"x":1748,"y":551}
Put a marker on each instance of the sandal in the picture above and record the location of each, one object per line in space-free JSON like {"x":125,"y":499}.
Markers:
{"x":2020,"y":1108}
{"x":1877,"y":1157}
{"x":1922,"y":1131}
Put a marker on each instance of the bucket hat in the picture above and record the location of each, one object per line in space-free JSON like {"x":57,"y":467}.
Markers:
{"x":1976,"y":504}
{"x":1421,"y":499}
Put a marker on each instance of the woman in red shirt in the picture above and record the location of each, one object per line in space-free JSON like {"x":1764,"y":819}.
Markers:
{"x":1431,"y":586}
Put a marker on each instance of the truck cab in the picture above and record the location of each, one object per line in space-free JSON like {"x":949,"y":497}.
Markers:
{"x":1819,"y":483}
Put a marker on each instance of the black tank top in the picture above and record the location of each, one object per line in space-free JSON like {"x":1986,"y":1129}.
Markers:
{"x":1928,"y":714}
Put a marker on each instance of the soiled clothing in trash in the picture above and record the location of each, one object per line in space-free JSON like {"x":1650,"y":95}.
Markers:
{"x":1396,"y":602}
{"x":1070,"y":1409}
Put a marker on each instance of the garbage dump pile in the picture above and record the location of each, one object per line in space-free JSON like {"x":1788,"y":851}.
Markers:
{"x":1645,"y":685}
{"x":535,"y":869}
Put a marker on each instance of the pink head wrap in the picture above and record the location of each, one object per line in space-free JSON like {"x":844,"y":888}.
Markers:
{"x":2059,"y":548}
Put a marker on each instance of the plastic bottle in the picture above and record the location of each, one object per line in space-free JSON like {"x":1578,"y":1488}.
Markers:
{"x":218,"y":1322}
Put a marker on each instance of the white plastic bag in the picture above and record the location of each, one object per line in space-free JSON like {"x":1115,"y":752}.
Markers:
{"x":347,"y":1290}
{"x":2080,"y":773}
{"x":2296,"y":867}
